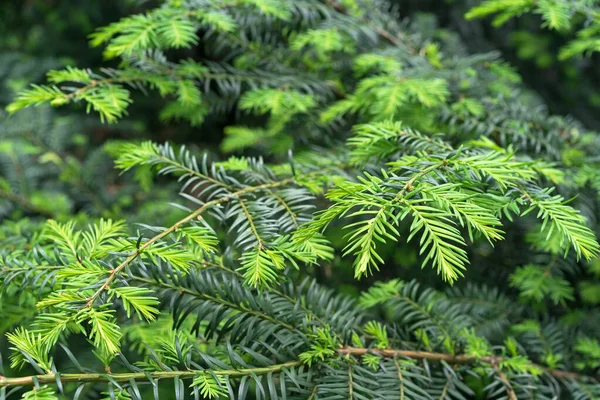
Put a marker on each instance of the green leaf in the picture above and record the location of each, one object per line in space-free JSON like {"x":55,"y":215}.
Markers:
{"x":555,"y":13}
{"x":26,"y":342}
{"x":211,"y":385}
{"x":323,"y":346}
{"x":104,"y":333}
{"x":70,"y":74}
{"x":521,"y":364}
{"x":276,"y":101}
{"x":139,"y":300}
{"x":174,"y":254}
{"x":241,"y":137}
{"x":36,"y":96}
{"x":219,"y":21}
{"x":188,"y":93}
{"x":202,"y":236}
{"x":506,"y":9}
{"x":49,"y":327}
{"x":477,"y":346}
{"x":502,"y":168}
{"x":464,"y":208}
{"x":95,"y":241}
{"x":589,"y":349}
{"x":567,"y":222}
{"x":323,"y":41}
{"x":440,"y":241}
{"x":365,"y":63}
{"x":110,"y":101}
{"x":130,"y":35}
{"x":176,"y":32}
{"x":537,"y":283}
{"x":379,"y":332}
{"x":274,"y":8}
{"x":64,"y":236}
{"x":380,"y":292}
{"x":380,"y":140}
{"x":261,"y":267}
{"x":364,"y":236}
{"x":43,"y":393}
{"x":133,"y":154}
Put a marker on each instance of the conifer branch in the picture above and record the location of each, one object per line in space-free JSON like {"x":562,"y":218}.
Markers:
{"x":192,"y":172}
{"x":343,"y":352}
{"x":140,"y":376}
{"x":204,"y":296}
{"x":452,"y":359}
{"x":273,"y":290}
{"x":225,"y":300}
{"x":236,"y":195}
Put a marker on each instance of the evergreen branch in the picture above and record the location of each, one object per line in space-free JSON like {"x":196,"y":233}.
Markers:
{"x":453,"y":359}
{"x":409,"y":185}
{"x":281,"y":62}
{"x":343,"y":352}
{"x":565,"y":221}
{"x":204,"y":296}
{"x":440,"y":240}
{"x":192,"y":172}
{"x":140,"y":376}
{"x":270,"y":289}
{"x":236,"y":195}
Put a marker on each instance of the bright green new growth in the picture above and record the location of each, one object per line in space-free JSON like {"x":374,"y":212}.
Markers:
{"x":347,"y":106}
{"x":441,"y":193}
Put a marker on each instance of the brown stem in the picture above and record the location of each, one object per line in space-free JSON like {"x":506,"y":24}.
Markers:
{"x":451,"y":359}
{"x":422,"y":355}
{"x":106,"y":284}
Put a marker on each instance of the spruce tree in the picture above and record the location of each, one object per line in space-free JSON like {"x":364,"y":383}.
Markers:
{"x":347,"y":133}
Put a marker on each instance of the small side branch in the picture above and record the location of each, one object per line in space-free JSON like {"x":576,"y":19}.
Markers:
{"x":236,"y":195}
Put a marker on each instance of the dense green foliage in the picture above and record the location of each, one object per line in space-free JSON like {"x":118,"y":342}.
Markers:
{"x":348,"y":205}
{"x":536,"y":37}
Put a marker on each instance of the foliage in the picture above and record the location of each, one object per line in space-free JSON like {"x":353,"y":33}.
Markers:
{"x":558,"y":15}
{"x":362,"y":145}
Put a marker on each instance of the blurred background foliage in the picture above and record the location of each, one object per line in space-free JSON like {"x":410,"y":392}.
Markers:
{"x":570,"y":86}
{"x":65,"y":151}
